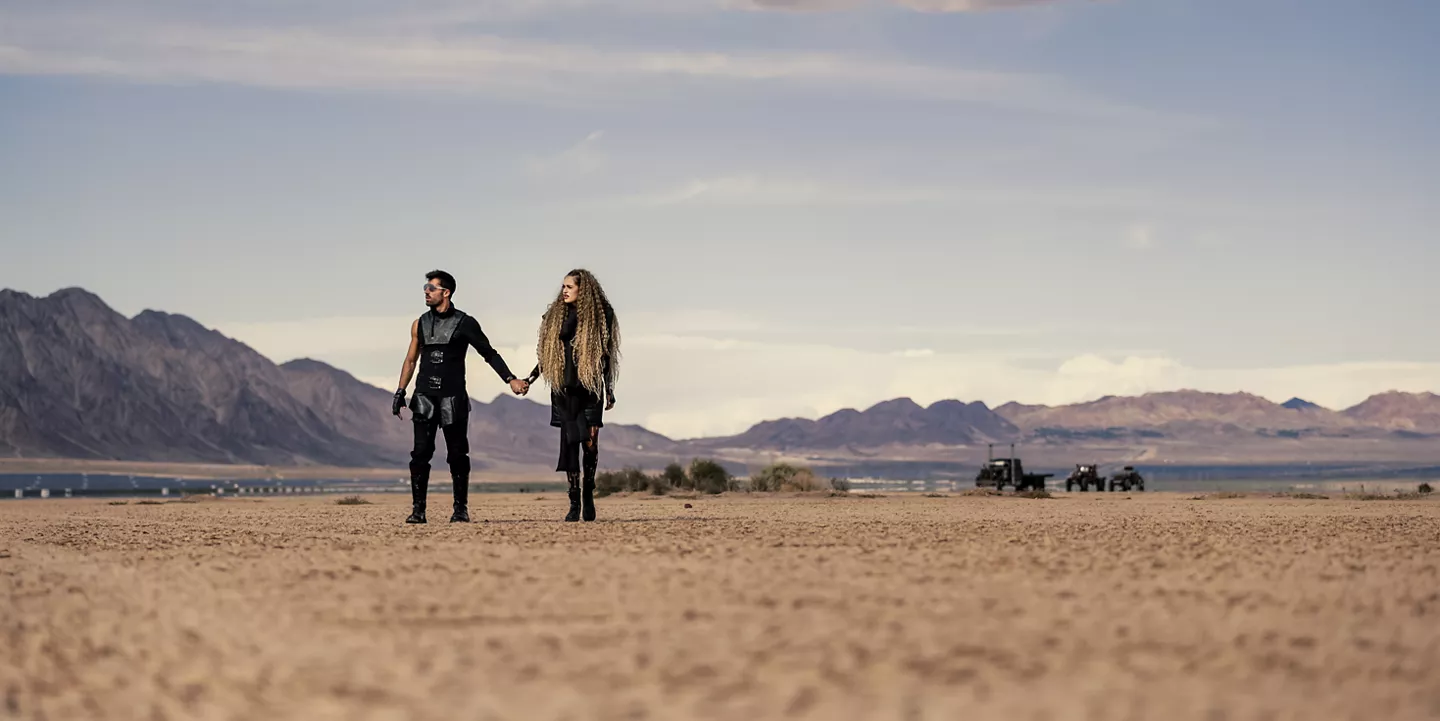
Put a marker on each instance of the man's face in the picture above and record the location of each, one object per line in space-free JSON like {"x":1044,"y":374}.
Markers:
{"x":434,"y":294}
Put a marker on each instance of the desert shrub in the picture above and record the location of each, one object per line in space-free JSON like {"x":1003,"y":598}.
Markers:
{"x":840,"y":484}
{"x":1303,"y":496}
{"x":629,"y":480}
{"x":1034,"y":493}
{"x":352,"y":501}
{"x":674,"y":475}
{"x":608,"y":482}
{"x":1425,"y":489}
{"x":784,"y":477}
{"x":710,"y":477}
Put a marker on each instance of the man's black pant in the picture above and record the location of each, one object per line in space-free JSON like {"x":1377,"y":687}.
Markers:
{"x":457,"y":447}
{"x":457,"y":455}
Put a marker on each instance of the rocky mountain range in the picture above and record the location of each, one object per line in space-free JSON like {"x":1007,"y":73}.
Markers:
{"x":80,"y":381}
{"x":899,"y":421}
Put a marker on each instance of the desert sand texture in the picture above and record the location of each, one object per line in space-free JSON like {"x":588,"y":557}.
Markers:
{"x":1146,"y":606}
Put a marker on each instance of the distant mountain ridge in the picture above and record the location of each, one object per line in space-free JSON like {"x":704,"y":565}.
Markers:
{"x":898,"y":421}
{"x":79,"y":380}
{"x":1182,"y":414}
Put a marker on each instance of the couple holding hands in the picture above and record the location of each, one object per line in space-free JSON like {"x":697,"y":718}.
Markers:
{"x":578,"y":354}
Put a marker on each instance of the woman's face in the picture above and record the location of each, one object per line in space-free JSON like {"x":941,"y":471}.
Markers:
{"x":569,"y":290}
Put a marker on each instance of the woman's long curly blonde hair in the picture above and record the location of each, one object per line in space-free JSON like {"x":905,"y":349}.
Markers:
{"x":597,"y":334}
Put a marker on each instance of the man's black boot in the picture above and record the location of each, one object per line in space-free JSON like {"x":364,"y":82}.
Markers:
{"x":462,"y":499}
{"x":574,"y":514}
{"x":419,"y":486}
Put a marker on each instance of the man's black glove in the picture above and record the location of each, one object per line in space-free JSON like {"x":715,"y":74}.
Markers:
{"x":398,"y":403}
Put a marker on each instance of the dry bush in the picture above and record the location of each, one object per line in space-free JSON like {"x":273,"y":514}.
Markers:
{"x":1303,"y":496}
{"x":711,"y":477}
{"x":1034,"y":493}
{"x":1425,"y":489}
{"x":980,"y":492}
{"x":628,"y":480}
{"x":674,"y":475}
{"x":352,"y":501}
{"x":785,"y":477}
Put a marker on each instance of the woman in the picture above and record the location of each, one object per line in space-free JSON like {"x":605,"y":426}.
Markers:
{"x":579,"y":352}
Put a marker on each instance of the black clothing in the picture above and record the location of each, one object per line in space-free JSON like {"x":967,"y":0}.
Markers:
{"x":457,"y":448}
{"x":442,"y":402}
{"x":440,"y":385}
{"x":574,"y":409}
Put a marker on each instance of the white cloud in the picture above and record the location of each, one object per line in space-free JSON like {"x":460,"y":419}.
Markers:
{"x":579,"y":160}
{"x":766,"y":190}
{"x":705,"y":381}
{"x":162,"y":47}
{"x":931,"y":6}
{"x":753,"y":190}
{"x":967,"y":6}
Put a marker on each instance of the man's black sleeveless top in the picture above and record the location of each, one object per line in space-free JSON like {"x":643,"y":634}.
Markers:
{"x":442,"y":354}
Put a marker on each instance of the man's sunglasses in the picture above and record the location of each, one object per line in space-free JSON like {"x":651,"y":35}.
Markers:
{"x":432,"y":288}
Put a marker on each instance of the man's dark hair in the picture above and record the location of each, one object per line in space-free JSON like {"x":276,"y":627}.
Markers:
{"x":446,"y":280}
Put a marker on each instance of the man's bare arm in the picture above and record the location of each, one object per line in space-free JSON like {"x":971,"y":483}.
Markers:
{"x":412,"y":356}
{"x":408,"y":369}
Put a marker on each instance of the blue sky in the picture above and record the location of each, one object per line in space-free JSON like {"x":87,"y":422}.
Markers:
{"x":796,"y":208}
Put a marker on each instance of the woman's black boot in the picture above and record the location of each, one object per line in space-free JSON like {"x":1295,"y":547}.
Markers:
{"x":574,"y":514}
{"x":592,"y":458}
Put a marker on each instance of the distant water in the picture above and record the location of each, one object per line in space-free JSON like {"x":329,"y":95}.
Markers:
{"x":71,"y":485}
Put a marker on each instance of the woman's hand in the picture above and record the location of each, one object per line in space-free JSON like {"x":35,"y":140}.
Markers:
{"x":610,"y":403}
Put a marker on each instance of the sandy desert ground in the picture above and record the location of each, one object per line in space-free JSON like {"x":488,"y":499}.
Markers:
{"x":1150,"y":606}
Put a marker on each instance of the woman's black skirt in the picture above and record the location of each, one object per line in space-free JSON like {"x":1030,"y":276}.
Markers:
{"x":575,"y":411}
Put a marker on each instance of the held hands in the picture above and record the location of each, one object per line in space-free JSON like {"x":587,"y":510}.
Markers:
{"x":398,"y":402}
{"x":519,"y":387}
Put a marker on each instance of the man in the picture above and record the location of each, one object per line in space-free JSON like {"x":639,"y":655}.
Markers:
{"x":438,"y":341}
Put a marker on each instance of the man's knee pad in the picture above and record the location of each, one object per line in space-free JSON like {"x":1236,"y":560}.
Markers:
{"x":459,"y":462}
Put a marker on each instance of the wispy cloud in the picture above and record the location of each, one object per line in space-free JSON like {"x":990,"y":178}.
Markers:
{"x":160,"y":47}
{"x":931,"y":6}
{"x":760,"y":190}
{"x":579,"y":160}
